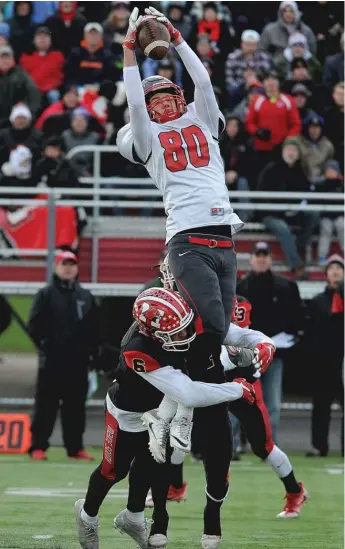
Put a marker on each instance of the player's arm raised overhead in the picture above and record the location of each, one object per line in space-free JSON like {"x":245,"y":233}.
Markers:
{"x":139,"y":119}
{"x":205,"y":100}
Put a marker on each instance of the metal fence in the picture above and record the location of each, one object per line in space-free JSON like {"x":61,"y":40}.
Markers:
{"x":139,"y":193}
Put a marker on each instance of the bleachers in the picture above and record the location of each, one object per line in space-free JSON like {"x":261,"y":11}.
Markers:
{"x":128,"y":248}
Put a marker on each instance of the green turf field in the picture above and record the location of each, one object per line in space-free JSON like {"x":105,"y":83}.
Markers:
{"x":248,"y":515}
{"x":14,"y":339}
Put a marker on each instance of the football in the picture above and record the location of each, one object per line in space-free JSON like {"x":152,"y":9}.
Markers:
{"x":153,"y":38}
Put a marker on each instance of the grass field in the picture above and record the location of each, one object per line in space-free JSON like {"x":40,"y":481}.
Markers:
{"x":14,"y":339}
{"x":249,"y":514}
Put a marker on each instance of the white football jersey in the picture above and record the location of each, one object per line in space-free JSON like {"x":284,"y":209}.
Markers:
{"x":185,"y":164}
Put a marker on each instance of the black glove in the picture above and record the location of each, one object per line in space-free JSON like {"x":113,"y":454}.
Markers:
{"x":264,"y":134}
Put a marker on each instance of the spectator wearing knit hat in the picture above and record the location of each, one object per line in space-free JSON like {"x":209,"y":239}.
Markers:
{"x":15,"y":86}
{"x":79,"y":134}
{"x":247,"y":56}
{"x":325,"y":323}
{"x":331,"y":222}
{"x":297,"y":48}
{"x":20,"y":133}
{"x":316,"y":150}
{"x":44,"y":65}
{"x":275,"y":36}
{"x":286,"y":175}
{"x":91,"y":62}
{"x":301,"y":95}
{"x":66,"y":27}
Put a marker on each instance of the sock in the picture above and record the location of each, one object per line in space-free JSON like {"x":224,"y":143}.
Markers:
{"x":177,"y":475}
{"x":99,"y":487}
{"x":280,"y":463}
{"x":86,"y":518}
{"x":167,"y":408}
{"x":183,"y":411}
{"x":291,"y":484}
{"x":135,"y":517}
{"x":212,"y":518}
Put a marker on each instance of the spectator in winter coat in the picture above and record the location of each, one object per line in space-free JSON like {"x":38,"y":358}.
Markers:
{"x":20,"y":133}
{"x":234,"y":149}
{"x":115,"y":28}
{"x":4,"y":34}
{"x":299,"y":74}
{"x":327,"y":21}
{"x":247,"y":56}
{"x":271,"y":118}
{"x":22,"y":28}
{"x":181,"y":21}
{"x":64,"y":324}
{"x":275,"y":36}
{"x":331,"y":221}
{"x":53,"y":169}
{"x":334,"y":123}
{"x":66,"y":27}
{"x":15,"y":87}
{"x":276,"y":307}
{"x":297,"y":49}
{"x":333,"y":70}
{"x":91,"y":63}
{"x":69,"y":101}
{"x":45,"y":65}
{"x":301,"y":95}
{"x":79,"y":134}
{"x":286,"y":175}
{"x":217,"y":30}
{"x":316,"y":150}
{"x":325,"y":322}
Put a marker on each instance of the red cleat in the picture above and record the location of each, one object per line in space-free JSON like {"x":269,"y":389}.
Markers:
{"x":83,"y":456}
{"x":178,"y":494}
{"x":38,"y":455}
{"x":294,"y":503}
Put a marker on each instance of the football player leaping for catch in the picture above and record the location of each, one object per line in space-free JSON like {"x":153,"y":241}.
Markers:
{"x":178,"y":145}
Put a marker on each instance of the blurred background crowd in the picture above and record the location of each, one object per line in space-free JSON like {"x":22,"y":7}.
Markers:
{"x":277,"y":70}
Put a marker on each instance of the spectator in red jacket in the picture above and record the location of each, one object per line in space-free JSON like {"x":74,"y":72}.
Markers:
{"x":45,"y":65}
{"x":56,"y":118}
{"x":271,"y":118}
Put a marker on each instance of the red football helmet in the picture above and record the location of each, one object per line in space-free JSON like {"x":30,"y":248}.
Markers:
{"x":173,"y":104}
{"x":241,"y":312}
{"x":162,"y":314}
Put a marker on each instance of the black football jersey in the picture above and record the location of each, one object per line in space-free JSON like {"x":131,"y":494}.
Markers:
{"x":130,"y":392}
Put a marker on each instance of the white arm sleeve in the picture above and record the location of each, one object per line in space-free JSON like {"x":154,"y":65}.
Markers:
{"x":139,"y":119}
{"x":205,"y":100}
{"x":193,"y":394}
{"x":244,"y":337}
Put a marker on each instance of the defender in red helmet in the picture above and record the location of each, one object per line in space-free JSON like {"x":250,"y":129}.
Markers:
{"x":151,"y":364}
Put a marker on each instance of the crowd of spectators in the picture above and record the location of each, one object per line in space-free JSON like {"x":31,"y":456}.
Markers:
{"x":278,"y":74}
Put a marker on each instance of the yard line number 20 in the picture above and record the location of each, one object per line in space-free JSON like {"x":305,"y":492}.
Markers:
{"x":175,"y":155}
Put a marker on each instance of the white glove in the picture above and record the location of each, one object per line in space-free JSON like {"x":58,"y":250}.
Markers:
{"x":133,"y":24}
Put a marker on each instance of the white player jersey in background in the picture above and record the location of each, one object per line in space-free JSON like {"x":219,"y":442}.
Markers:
{"x":186,"y":166}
